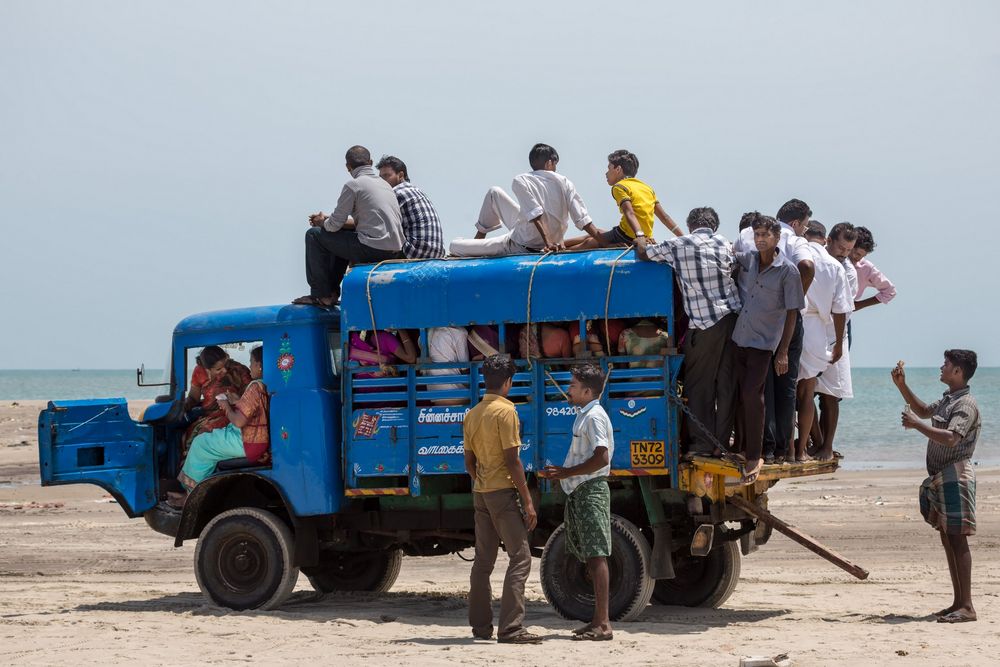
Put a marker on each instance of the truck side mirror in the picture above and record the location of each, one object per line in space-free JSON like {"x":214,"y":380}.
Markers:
{"x":140,"y":378}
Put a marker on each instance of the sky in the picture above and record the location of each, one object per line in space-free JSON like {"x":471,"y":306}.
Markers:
{"x":160,"y":159}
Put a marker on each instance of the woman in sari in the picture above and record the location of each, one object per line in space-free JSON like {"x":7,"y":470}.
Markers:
{"x":245,"y":435}
{"x":214,"y":373}
{"x":381,"y":348}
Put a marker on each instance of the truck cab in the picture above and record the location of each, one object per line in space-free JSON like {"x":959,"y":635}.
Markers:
{"x":366,"y":469}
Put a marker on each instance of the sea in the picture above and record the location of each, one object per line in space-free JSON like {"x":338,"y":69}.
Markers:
{"x":869,"y":434}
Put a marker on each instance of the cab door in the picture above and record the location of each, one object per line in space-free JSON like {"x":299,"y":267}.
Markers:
{"x":97,"y":442}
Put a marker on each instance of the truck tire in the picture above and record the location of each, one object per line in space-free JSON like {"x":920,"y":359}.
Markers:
{"x":243,"y":560}
{"x":567,"y":586}
{"x":702,"y":581}
{"x":375,"y":572}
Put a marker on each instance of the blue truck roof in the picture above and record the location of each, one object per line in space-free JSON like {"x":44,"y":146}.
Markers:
{"x":257,"y":316}
{"x":458,"y":292}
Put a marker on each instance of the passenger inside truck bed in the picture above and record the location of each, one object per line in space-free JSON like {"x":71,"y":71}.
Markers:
{"x":549,"y":340}
{"x":382,"y":349}
{"x":601,"y":340}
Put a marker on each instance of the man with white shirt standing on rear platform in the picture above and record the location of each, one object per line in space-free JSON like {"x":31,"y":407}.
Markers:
{"x":537,"y":216}
{"x":824,"y":321}
{"x":779,"y":390}
{"x":584,"y":478}
{"x":834,"y":385}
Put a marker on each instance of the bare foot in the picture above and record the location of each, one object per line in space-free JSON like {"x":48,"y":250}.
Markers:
{"x":585,"y":628}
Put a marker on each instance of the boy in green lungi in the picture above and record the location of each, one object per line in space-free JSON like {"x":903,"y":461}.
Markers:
{"x":584,"y":478}
{"x":948,"y":496}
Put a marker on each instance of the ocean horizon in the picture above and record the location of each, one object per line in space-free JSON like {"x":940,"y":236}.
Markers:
{"x":869,"y":434}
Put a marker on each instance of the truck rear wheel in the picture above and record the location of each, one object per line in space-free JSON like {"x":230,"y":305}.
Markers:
{"x":567,"y":586}
{"x":702,"y":581}
{"x":343,"y":571}
{"x":243,"y":560}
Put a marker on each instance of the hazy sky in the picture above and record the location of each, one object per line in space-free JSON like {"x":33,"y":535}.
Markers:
{"x":159,"y":159}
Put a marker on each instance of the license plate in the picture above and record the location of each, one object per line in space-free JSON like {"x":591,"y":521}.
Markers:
{"x":648,"y":453}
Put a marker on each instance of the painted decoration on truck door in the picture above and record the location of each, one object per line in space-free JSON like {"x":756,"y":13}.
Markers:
{"x":286,"y":360}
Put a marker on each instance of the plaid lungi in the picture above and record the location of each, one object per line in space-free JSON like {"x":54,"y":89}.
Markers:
{"x":948,"y":499}
{"x":588,"y":520}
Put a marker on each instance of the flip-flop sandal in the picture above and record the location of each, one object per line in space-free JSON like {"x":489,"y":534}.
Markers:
{"x":522,"y":638}
{"x":309,"y":300}
{"x":956,"y":617}
{"x":751,"y":477}
{"x":591,"y":636}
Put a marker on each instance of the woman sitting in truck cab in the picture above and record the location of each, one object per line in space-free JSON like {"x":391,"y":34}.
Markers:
{"x":214,"y":373}
{"x":245,"y":436}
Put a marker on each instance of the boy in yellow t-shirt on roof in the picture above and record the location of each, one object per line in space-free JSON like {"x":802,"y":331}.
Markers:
{"x":637,"y":202}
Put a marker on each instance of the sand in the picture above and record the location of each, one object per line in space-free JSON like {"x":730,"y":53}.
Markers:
{"x":79,"y":582}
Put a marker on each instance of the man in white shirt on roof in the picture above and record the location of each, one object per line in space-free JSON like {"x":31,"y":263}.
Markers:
{"x":824,"y":321}
{"x":537,"y":216}
{"x":779,"y":391}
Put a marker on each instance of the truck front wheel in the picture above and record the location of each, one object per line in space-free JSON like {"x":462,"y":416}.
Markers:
{"x":344,"y":571}
{"x":243,"y":560}
{"x":701,"y":581}
{"x":567,"y":586}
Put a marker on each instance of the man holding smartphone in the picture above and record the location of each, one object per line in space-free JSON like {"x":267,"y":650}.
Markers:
{"x":948,"y":495}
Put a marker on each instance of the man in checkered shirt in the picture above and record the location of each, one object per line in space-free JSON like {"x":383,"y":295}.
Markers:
{"x":421,"y":225}
{"x":703,"y":263}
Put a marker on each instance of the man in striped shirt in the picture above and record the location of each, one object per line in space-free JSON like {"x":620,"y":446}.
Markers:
{"x":948,"y":495}
{"x":421,"y":224}
{"x":703,"y":263}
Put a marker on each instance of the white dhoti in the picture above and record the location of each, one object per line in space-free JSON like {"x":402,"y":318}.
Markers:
{"x":836,"y":379}
{"x":818,"y":338}
{"x":499,"y":210}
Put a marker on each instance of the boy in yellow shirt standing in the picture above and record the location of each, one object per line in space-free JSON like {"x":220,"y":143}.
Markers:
{"x":637,"y":202}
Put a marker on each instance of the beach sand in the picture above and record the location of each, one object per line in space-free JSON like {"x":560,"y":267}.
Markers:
{"x":81,"y":583}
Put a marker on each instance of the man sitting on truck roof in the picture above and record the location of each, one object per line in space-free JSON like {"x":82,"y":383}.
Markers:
{"x":637,"y":202}
{"x":365,"y":227}
{"x":703,"y":262}
{"x":421,"y":224}
{"x":500,"y":495}
{"x":537,"y":217}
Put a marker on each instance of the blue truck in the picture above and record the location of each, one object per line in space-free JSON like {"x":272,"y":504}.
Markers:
{"x":364,"y":470}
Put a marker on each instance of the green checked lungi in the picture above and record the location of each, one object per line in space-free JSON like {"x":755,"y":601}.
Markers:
{"x":948,"y":499}
{"x":588,"y":520}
